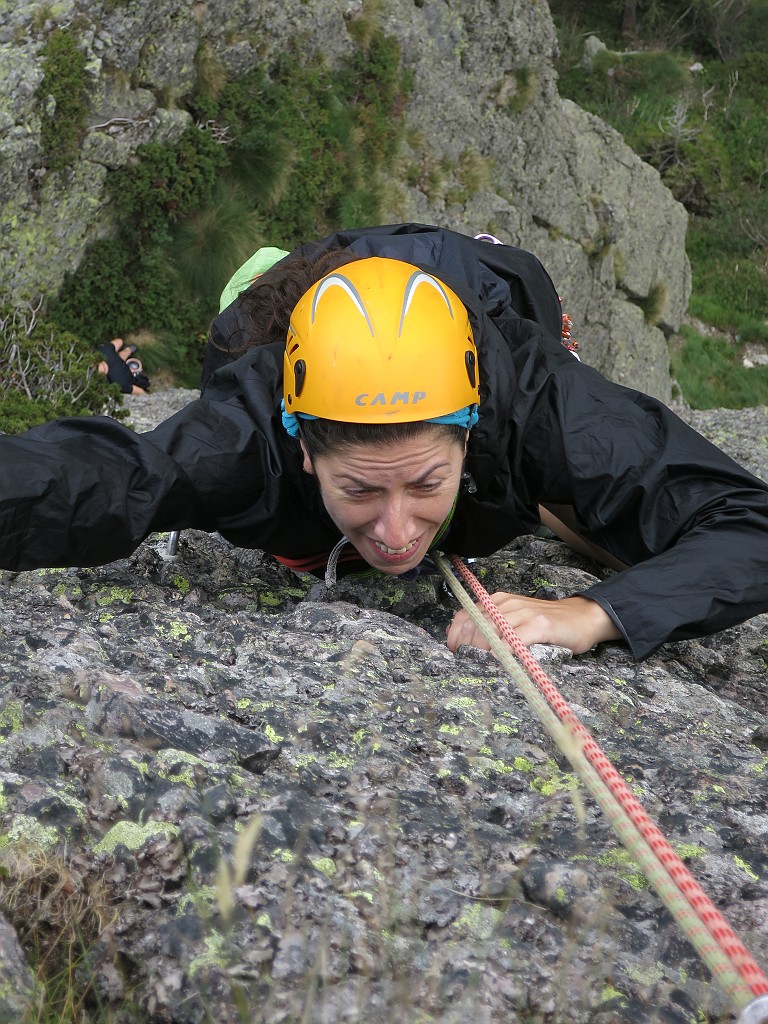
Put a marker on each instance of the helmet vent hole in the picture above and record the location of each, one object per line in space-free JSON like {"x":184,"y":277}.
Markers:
{"x":469,"y":359}
{"x":300,"y":373}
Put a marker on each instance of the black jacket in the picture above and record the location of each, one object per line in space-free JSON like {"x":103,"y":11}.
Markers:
{"x":691,"y":522}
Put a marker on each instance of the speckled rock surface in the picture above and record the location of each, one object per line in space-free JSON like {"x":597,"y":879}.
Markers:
{"x":17,"y":983}
{"x":743,"y":433}
{"x":302,"y":809}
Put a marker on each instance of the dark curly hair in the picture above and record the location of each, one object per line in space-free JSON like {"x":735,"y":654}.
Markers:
{"x":264,"y":308}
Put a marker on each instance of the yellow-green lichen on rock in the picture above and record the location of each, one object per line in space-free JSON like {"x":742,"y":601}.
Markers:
{"x":11,"y":717}
{"x":25,"y":829}
{"x":134,"y":835}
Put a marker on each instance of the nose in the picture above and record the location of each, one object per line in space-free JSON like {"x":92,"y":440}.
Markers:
{"x":395,"y":525}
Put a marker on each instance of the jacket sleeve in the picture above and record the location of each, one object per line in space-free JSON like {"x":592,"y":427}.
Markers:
{"x":690,"y":522}
{"x":88,"y":490}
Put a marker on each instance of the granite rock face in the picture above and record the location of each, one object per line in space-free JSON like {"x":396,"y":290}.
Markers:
{"x":489,"y":146}
{"x":273,"y":804}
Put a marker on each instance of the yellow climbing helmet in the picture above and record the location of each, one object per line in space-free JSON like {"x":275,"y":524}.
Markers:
{"x":379,"y":341}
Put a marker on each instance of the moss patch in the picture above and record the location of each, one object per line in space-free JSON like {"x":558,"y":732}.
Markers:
{"x":63,"y":94}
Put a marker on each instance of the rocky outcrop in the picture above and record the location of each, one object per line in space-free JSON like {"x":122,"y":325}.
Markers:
{"x":561,"y":182}
{"x":244,"y":799}
{"x":490,"y":146}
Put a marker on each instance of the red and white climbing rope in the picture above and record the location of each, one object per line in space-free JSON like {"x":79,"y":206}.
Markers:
{"x":729,"y":961}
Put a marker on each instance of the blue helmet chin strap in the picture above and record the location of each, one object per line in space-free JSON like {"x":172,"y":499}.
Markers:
{"x":466,"y":417}
{"x":291,"y":421}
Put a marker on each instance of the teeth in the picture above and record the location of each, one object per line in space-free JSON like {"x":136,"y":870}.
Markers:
{"x":394,"y":551}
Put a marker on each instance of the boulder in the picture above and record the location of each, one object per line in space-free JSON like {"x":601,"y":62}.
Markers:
{"x":299,"y":805}
{"x":18,"y":990}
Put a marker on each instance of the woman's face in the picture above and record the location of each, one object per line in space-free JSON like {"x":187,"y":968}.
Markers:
{"x":390,"y":500}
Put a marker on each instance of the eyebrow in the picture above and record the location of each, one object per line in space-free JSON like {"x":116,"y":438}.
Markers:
{"x":372,"y":487}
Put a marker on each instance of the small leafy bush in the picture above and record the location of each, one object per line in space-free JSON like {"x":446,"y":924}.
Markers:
{"x":46,"y":373}
{"x":132,"y":281}
{"x":165,"y":184}
{"x":100,"y":300}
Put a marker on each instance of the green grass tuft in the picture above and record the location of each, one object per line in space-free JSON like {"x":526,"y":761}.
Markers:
{"x":710,"y":374}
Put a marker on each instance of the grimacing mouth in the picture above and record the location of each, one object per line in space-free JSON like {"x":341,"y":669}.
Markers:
{"x":396,"y":551}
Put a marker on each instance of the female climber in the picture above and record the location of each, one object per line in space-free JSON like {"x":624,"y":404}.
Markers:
{"x":389,"y":390}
